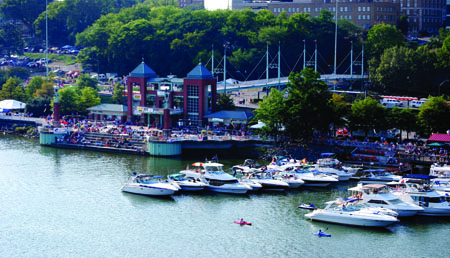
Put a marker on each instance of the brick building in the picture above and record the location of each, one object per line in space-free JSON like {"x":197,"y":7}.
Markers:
{"x":169,"y":101}
{"x":423,"y":15}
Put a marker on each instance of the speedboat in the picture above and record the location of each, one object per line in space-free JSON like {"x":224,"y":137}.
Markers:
{"x":283,"y":164}
{"x":378,"y":195}
{"x":148,"y":185}
{"x":249,"y":166}
{"x":330,"y":160}
{"x":185,"y":183}
{"x":416,"y":189}
{"x":341,"y":174}
{"x":378,"y":176}
{"x":341,"y":212}
{"x":312,"y":177}
{"x":268,"y":182}
{"x":293,"y":182}
{"x":216,"y":179}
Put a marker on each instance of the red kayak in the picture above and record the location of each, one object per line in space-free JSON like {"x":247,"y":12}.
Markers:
{"x":243,"y":223}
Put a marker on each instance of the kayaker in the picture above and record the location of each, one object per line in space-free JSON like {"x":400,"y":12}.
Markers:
{"x":242,"y":221}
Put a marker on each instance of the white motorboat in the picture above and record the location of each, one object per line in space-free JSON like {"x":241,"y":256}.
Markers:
{"x":416,"y":189}
{"x":283,"y":164}
{"x":312,"y":177}
{"x":442,"y":174}
{"x":342,"y":212}
{"x":292,"y":181}
{"x":148,"y":185}
{"x":378,"y":176}
{"x":185,"y":183}
{"x":342,"y":175}
{"x":268,"y":182}
{"x":252,"y":183}
{"x":330,"y":160}
{"x":216,"y":179}
{"x":378,"y":195}
{"x":249,"y":166}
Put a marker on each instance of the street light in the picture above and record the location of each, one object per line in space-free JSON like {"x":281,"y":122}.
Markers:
{"x":439,"y":92}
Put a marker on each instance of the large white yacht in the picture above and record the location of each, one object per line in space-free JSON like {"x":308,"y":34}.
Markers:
{"x":416,"y":189}
{"x":342,"y":212}
{"x":378,"y":195}
{"x":216,"y":179}
{"x":148,"y":185}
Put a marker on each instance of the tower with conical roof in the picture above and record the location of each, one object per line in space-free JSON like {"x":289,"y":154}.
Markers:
{"x":197,"y":85}
{"x":138,"y":77}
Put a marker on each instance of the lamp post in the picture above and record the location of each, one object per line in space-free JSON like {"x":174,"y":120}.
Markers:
{"x":46,"y":40}
{"x":439,"y":92}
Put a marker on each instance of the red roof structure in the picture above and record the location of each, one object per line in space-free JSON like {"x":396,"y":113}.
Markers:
{"x":439,"y":137}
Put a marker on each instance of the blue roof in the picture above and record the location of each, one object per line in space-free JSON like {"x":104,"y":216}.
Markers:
{"x":143,"y":70}
{"x":234,"y":115}
{"x":200,"y":72}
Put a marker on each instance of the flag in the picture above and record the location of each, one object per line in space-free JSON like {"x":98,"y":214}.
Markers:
{"x":214,"y":158}
{"x":187,"y":167}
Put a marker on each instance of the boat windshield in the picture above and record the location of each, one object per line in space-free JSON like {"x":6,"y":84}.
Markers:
{"x":214,"y":169}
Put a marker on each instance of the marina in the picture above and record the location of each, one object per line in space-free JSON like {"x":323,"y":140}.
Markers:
{"x":62,"y":202}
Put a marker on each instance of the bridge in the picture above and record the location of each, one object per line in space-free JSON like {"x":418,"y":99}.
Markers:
{"x":275,"y":82}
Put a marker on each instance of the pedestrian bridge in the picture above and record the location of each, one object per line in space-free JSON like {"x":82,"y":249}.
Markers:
{"x":275,"y":82}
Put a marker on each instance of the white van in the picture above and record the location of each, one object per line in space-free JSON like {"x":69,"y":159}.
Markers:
{"x":390,"y":103}
{"x":416,"y":103}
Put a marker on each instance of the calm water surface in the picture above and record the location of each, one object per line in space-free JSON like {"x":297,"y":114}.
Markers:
{"x":65,"y":203}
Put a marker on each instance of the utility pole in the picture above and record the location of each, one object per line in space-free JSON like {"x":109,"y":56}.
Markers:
{"x":267,"y":61}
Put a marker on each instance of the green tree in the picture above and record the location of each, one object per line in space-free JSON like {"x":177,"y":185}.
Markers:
{"x":12,"y":90}
{"x":117,"y":96}
{"x":68,"y":99}
{"x":366,"y":114}
{"x":11,"y":40}
{"x":308,"y":105}
{"x":46,"y":91}
{"x":88,"y":98}
{"x":34,"y":84}
{"x":340,"y":109}
{"x":403,"y":24}
{"x":381,"y":37}
{"x":84,"y":81}
{"x":272,"y":112}
{"x":406,"y":71}
{"x":433,"y":115}
{"x":25,"y":11}
{"x":225,"y":102}
{"x":38,"y":106}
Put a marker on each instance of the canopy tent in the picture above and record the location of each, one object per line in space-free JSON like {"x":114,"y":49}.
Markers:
{"x":260,"y":125}
{"x":226,"y":116}
{"x":10,"y":104}
{"x":439,"y":137}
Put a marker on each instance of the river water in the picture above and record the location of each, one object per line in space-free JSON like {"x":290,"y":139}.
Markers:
{"x":67,"y":203}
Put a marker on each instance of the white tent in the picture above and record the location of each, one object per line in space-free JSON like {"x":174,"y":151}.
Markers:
{"x":10,"y":104}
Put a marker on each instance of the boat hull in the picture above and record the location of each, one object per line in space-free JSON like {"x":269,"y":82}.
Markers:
{"x":220,"y":189}
{"x":148,"y":190}
{"x":350,"y":219}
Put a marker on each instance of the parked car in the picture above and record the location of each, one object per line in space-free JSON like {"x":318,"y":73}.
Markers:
{"x":390,"y":103}
{"x":417,"y":103}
